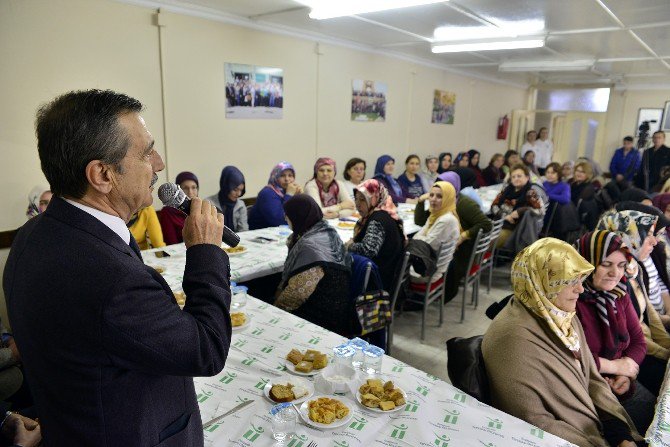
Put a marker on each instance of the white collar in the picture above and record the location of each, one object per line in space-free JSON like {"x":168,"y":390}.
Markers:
{"x":115,"y":223}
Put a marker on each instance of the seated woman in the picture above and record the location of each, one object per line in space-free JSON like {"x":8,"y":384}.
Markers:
{"x":354,"y":174}
{"x":471,"y":220}
{"x":38,"y":201}
{"x":441,"y":226}
{"x":493,"y":173}
{"x":565,"y":218}
{"x":444,"y":162}
{"x":529,"y":160}
{"x":518,"y":198}
{"x":462,"y":160}
{"x":557,"y":190}
{"x":583,"y":195}
{"x":146,"y":229}
{"x":269,"y":208}
{"x":329,"y":193}
{"x":511,"y":159}
{"x":384,"y":175}
{"x":171,"y":219}
{"x":227,"y":200}
{"x":410,"y":180}
{"x":568,"y":170}
{"x":429,"y":176}
{"x":537,"y":359}
{"x":637,"y":231}
{"x":611,"y":326}
{"x":378,"y":234}
{"x":474,"y":165}
{"x":317,"y":271}
{"x":468,"y":184}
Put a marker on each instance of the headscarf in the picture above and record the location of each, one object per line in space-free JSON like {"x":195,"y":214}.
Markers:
{"x":186,"y":175}
{"x":539,"y":272}
{"x":595,"y":246}
{"x":439,"y":162}
{"x":231,"y":178}
{"x":34,"y":201}
{"x":453,"y":178}
{"x":277,"y":171}
{"x":379,"y":172}
{"x":328,"y":197}
{"x":467,"y":175}
{"x":661,"y":201}
{"x":662,"y":222}
{"x":472,"y":153}
{"x":303,"y":212}
{"x":378,"y":199}
{"x":431,"y":157}
{"x":632,"y":226}
{"x":314,"y":242}
{"x":448,"y":203}
{"x":460,"y":156}
{"x":634,"y":194}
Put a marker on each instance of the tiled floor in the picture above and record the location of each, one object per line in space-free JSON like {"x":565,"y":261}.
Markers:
{"x":431,"y":355}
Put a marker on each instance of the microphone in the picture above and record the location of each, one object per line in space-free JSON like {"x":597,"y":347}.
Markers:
{"x":172,"y":195}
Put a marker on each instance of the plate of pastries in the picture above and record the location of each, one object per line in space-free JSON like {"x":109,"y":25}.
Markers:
{"x":307,"y":363}
{"x":381,"y":396}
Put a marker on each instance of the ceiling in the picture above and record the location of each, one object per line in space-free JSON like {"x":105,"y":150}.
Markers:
{"x":628,"y":39}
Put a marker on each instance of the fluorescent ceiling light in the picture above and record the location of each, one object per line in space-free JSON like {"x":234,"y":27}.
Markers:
{"x":488,"y":45}
{"x":502,"y":29}
{"x":328,"y":9}
{"x":575,"y":65}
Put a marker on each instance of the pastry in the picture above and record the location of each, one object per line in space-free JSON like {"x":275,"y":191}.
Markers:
{"x":304,"y":367}
{"x":386,"y":405}
{"x":282,"y":393}
{"x":320,"y":361}
{"x":294,"y":356}
{"x":238,"y":318}
{"x":386,"y":397}
{"x":325,"y":410}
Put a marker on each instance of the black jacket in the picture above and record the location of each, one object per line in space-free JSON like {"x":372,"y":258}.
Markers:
{"x":109,"y":355}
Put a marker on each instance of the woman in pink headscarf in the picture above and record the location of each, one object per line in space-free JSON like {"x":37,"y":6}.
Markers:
{"x":329,"y":193}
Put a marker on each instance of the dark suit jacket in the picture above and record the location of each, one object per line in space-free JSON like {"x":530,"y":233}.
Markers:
{"x":108,"y":353}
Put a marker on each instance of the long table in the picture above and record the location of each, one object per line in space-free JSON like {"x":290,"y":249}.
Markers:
{"x":265,"y":252}
{"x":658,"y":433}
{"x":435,"y":414}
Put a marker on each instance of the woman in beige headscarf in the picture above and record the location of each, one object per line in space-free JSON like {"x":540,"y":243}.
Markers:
{"x":539,"y":365}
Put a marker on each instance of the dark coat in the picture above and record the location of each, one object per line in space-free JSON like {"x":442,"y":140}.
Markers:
{"x":109,"y":355}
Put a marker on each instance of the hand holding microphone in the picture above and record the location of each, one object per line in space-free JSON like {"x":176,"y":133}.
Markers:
{"x":203,"y":221}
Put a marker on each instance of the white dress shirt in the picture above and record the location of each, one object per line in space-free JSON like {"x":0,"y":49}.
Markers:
{"x":115,"y":223}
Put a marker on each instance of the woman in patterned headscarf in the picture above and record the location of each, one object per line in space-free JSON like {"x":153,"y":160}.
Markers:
{"x":268,"y":210}
{"x":611,"y":325}
{"x":539,"y":365}
{"x":649,"y":292}
{"x":329,"y":193}
{"x":378,"y":234}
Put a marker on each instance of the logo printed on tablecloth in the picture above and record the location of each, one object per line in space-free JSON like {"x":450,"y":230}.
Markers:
{"x":261,"y":383}
{"x":441,"y":441}
{"x":229,"y":377}
{"x":495,"y":423}
{"x":274,"y":320}
{"x":537,"y":433}
{"x":249,"y":361}
{"x":300,"y":325}
{"x":212,"y":428}
{"x":412,"y":406}
{"x":422,"y":390}
{"x":460,"y":397}
{"x":267,"y":349}
{"x":297,"y":441}
{"x":487,"y":444}
{"x":341,"y":443}
{"x":258,"y":331}
{"x":314,"y":340}
{"x":253,"y":433}
{"x":358,"y":423}
{"x":398,"y":367}
{"x":263,"y":306}
{"x":285,"y":336}
{"x":432,"y":377}
{"x":203,"y":395}
{"x":239,"y":343}
{"x":399,"y":431}
{"x":241,"y":400}
{"x":452,"y":416}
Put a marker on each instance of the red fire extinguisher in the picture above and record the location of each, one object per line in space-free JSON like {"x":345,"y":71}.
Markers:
{"x":503,"y":125}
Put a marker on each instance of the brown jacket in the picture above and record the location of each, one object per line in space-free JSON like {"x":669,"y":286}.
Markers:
{"x":534,"y":377}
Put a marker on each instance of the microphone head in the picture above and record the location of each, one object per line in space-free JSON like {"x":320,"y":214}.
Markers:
{"x":171,"y":195}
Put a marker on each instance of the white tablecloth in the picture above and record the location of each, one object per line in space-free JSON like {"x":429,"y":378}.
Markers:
{"x":658,"y":433}
{"x":488,"y":195}
{"x":436,"y":413}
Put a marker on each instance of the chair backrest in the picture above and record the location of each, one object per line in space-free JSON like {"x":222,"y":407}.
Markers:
{"x":465,"y":366}
{"x":481,"y":246}
{"x":547,"y":224}
{"x":401,"y":277}
{"x":366,"y":279}
{"x":496,"y":229}
{"x":361,"y":271}
{"x":446,"y":254}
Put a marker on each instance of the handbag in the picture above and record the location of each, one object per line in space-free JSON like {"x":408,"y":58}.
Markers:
{"x":374,"y":308}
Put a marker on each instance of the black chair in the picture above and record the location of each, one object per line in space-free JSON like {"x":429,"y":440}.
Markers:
{"x":465,"y":365}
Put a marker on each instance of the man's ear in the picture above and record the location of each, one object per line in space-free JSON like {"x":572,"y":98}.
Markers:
{"x":100,"y":176}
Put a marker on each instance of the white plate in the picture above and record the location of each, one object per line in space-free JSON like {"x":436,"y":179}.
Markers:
{"x":304,"y":413}
{"x":283,"y":380}
{"x":245,"y":325}
{"x":235,"y":253}
{"x":378,"y":410}
{"x":290,"y":367}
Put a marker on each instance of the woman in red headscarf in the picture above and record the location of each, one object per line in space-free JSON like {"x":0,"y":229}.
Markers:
{"x":329,"y":193}
{"x":171,"y":219}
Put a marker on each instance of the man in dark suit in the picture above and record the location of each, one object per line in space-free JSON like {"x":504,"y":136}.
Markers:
{"x":107,"y":352}
{"x":654,"y":160}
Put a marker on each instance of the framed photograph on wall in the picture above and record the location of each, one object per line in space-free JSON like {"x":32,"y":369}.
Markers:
{"x":653,"y":118}
{"x":665,"y":126}
{"x":254,"y":92}
{"x":368,"y":101}
{"x":444,"y":107}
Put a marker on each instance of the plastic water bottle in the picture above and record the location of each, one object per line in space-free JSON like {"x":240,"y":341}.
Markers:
{"x":373,"y":359}
{"x":358,"y":359}
{"x":283,"y":421}
{"x":344,"y":354}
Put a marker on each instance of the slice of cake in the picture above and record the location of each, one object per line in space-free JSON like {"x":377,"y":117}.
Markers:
{"x":281,"y":393}
{"x":304,"y":367}
{"x":294,"y":356}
